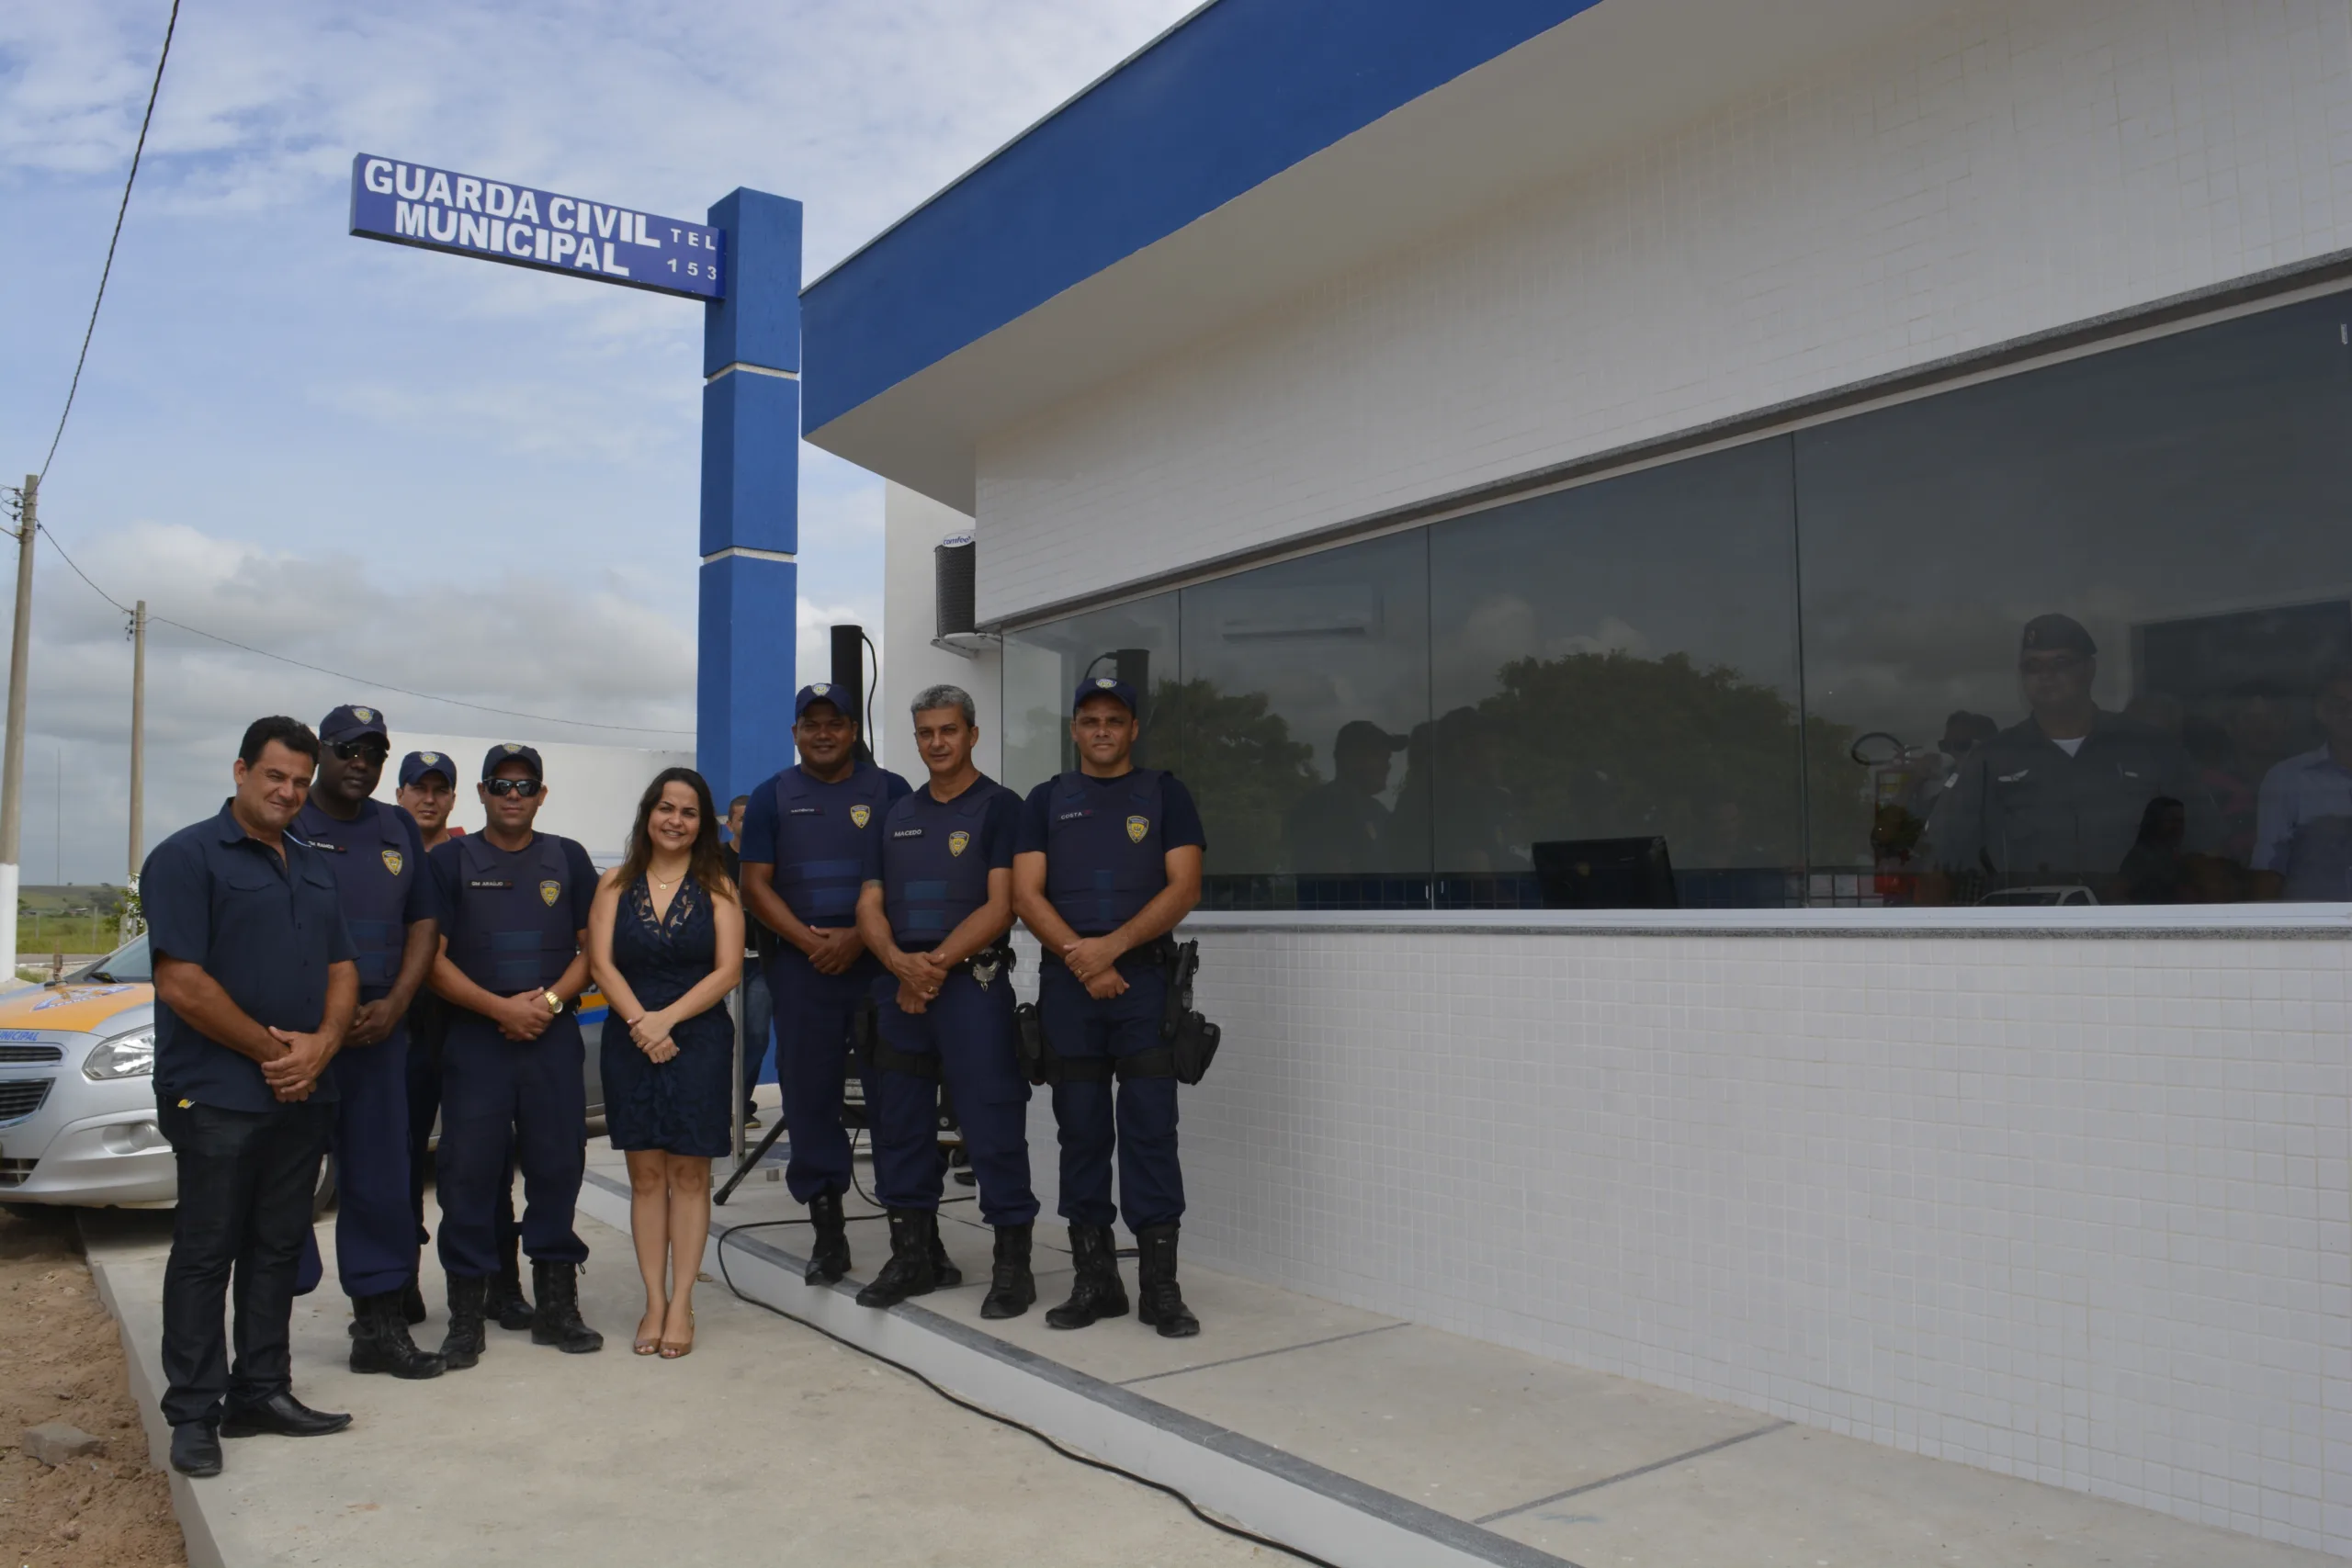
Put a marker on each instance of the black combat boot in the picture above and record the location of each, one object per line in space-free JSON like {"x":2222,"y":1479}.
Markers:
{"x":943,"y":1268}
{"x":507,"y":1301}
{"x":462,"y":1346}
{"x":384,"y":1346}
{"x":1095,"y":1291}
{"x":828,"y":1256}
{"x":1013,"y":1290}
{"x":412,"y":1302}
{"x":913,"y":1233}
{"x":1158,"y":1301}
{"x":557,"y":1320}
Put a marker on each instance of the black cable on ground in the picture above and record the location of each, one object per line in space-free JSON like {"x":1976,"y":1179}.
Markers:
{"x":1003,"y":1420}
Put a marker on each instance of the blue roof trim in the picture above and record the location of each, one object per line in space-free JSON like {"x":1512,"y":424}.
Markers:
{"x":1233,"y":95}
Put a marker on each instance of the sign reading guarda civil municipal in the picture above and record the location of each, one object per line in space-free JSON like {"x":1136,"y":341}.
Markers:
{"x":440,"y":210}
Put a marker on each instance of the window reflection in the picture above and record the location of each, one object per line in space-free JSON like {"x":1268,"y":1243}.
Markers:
{"x":1619,"y":661}
{"x":1135,"y":641}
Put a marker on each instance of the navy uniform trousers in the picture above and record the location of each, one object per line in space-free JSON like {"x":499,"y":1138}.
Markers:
{"x":1137,"y":1118}
{"x":812,"y":1014}
{"x":429,"y":1030}
{"x":969,"y":1029}
{"x":534,"y":1093}
{"x":375,"y":1233}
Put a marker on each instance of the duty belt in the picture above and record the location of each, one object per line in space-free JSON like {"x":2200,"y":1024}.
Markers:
{"x":1159,"y":950}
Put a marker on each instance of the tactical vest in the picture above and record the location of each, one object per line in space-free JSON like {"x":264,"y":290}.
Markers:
{"x":1104,"y":857}
{"x":934,"y":872}
{"x":512,"y":929}
{"x":821,"y":837}
{"x":375,"y":865}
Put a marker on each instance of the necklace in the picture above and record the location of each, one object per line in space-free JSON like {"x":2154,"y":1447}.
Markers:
{"x":659,"y":882}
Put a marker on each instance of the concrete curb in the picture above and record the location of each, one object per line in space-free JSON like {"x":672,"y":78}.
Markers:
{"x":1263,"y":1489}
{"x":142,"y":1325}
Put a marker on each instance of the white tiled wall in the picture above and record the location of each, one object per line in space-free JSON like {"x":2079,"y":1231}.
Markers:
{"x":2011,"y":168}
{"x":2077,"y":1210}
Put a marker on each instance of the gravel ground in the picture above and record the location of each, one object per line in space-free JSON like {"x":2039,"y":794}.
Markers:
{"x":60,"y":1359}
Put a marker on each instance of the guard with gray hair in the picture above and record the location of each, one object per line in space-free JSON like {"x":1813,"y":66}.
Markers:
{"x":935,"y":909}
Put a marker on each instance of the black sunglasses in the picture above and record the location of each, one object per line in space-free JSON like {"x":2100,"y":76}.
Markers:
{"x":526,"y":788}
{"x":352,"y":750}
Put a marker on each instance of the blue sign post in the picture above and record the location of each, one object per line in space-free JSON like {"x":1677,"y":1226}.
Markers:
{"x":744,"y":263}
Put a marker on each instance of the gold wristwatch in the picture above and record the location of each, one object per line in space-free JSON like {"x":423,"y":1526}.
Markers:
{"x":555,"y":1003}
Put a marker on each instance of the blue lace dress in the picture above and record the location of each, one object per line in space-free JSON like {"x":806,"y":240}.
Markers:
{"x":683,"y":1106}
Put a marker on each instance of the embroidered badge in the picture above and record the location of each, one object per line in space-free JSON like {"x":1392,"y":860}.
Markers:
{"x":363,"y":716}
{"x":549,"y":892}
{"x":860,"y":814}
{"x":957,"y":841}
{"x":428,"y":758}
{"x":1105,"y":682}
{"x":509,"y":746}
{"x":1137,"y":827}
{"x":392,"y":862}
{"x":819,"y":689}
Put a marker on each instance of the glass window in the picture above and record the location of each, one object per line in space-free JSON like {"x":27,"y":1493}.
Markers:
{"x":1613,"y":663}
{"x":1300,"y":681}
{"x":2084,"y":622}
{"x":1135,"y":641}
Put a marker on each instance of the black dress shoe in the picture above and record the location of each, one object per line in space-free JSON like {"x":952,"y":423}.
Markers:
{"x":196,"y":1448}
{"x":283,"y":1416}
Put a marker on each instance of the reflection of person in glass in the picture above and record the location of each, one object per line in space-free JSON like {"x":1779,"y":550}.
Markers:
{"x":2059,"y":799}
{"x":1337,"y":828}
{"x":1475,"y":824}
{"x":2303,"y":837}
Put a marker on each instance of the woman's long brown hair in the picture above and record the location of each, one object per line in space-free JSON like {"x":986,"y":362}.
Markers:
{"x":709,"y":867}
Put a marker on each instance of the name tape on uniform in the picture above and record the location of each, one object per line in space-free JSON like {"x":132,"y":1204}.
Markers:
{"x":440,"y":210}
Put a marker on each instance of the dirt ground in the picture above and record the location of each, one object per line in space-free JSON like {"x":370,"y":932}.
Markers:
{"x":60,"y":1359}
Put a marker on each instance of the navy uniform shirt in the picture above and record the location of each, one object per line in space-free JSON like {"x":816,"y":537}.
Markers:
{"x":418,"y":900}
{"x":2019,"y":811}
{"x":265,"y":929}
{"x":1179,"y":819}
{"x":757,"y":845}
{"x":449,"y":878}
{"x":1000,"y":825}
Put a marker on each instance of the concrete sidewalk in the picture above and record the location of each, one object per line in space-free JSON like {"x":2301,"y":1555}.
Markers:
{"x":768,"y":1443}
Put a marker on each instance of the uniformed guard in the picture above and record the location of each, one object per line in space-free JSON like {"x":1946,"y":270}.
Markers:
{"x":936,"y":909}
{"x":806,"y":833}
{"x":428,"y":789}
{"x":512,"y":966}
{"x":379,"y":860}
{"x":2056,"y":803}
{"x":1109,"y":863}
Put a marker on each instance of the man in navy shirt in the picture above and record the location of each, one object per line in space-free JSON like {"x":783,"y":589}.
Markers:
{"x":935,"y":907}
{"x":379,"y":859}
{"x":254,"y":986}
{"x":1109,"y":863}
{"x":806,"y":835}
{"x":514,"y":961}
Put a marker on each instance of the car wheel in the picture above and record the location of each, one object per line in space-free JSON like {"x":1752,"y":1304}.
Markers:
{"x":323,"y":1198}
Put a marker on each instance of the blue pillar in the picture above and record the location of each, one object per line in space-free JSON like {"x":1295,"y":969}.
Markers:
{"x":750,"y":497}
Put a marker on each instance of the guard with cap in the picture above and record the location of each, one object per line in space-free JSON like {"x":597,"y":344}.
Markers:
{"x":936,"y":909}
{"x":428,"y":792}
{"x":1109,"y":863}
{"x":378,"y":857}
{"x":806,"y":836}
{"x":2055,"y":803}
{"x":513,"y":965}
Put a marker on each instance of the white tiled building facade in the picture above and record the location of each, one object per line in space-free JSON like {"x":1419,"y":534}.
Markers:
{"x":2074,"y":1206}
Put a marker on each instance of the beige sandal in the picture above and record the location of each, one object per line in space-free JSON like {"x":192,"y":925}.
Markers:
{"x":675,"y":1349}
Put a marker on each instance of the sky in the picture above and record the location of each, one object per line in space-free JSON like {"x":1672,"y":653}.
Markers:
{"x":417,"y":469}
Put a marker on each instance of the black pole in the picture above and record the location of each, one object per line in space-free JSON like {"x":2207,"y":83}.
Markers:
{"x":848,"y":674}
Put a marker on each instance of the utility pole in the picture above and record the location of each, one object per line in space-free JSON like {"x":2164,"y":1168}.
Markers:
{"x":12,"y":760}
{"x":138,"y":738}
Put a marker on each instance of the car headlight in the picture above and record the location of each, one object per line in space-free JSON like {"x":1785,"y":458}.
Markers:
{"x":130,"y":1055}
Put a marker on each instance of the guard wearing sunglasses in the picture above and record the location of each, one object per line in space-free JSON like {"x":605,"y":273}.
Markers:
{"x":515,"y":903}
{"x":378,"y":861}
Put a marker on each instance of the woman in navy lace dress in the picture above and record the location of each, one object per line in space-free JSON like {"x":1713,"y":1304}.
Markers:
{"x":665,"y":941}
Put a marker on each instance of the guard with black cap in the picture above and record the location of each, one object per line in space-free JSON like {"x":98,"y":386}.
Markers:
{"x":1109,"y":863}
{"x":378,"y":857}
{"x":2049,"y":809}
{"x":936,"y":909}
{"x":806,"y":836}
{"x":511,"y":967}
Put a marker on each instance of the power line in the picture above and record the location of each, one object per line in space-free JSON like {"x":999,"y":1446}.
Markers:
{"x":155,"y":620}
{"x":107,"y":271}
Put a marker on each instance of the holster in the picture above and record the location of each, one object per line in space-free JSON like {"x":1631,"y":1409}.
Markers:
{"x":1038,"y":1062}
{"x":1190,"y":1039}
{"x":1187,"y":1045}
{"x":879,"y":1054}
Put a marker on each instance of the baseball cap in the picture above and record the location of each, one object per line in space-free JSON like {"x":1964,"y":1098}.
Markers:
{"x":1103,"y":686}
{"x":416,"y":764}
{"x":349,"y":723}
{"x":823,"y":692}
{"x":1362,"y":734}
{"x":513,"y":751}
{"x":2046,"y":633}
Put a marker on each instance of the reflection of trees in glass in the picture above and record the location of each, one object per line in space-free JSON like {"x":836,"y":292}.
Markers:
{"x":1244,"y":770}
{"x":1612,"y":745}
